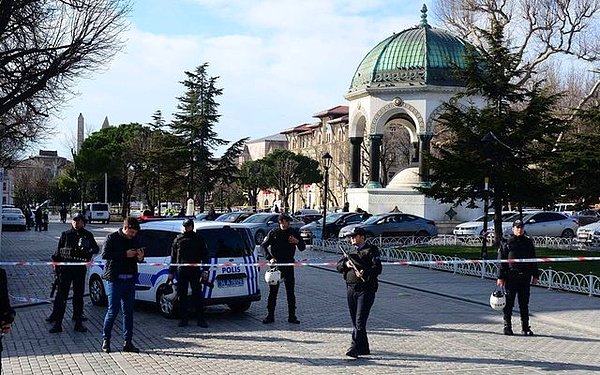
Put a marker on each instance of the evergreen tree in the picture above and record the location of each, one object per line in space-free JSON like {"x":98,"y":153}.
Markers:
{"x":509,"y":139}
{"x":578,"y":173}
{"x":194,"y":123}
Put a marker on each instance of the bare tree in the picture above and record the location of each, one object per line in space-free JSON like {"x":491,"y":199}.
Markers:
{"x":45,"y":47}
{"x":537,"y":30}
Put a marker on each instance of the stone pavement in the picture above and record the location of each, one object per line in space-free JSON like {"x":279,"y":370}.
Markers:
{"x":423,"y":322}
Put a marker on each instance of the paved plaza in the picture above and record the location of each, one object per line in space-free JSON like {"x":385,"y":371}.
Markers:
{"x":422,"y":322}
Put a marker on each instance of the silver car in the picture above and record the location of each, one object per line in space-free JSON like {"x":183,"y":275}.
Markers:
{"x":471,"y":229}
{"x":394,"y":225}
{"x":547,"y":224}
{"x":260,"y":224}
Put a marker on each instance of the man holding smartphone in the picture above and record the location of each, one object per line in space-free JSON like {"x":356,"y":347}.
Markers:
{"x":122,"y":253}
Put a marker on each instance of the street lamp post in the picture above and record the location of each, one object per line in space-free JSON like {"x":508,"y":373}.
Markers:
{"x":326,"y":163}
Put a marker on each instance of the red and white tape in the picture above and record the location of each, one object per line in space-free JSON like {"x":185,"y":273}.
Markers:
{"x":310,"y":263}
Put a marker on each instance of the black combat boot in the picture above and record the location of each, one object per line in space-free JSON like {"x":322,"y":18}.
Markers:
{"x":508,"y":326}
{"x":79,"y":327}
{"x":57,"y":327}
{"x":129,"y":347}
{"x":526,"y":329}
{"x":270,"y":318}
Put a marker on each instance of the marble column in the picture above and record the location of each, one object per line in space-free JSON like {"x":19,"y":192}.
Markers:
{"x":355,"y":143}
{"x":375,"y":160}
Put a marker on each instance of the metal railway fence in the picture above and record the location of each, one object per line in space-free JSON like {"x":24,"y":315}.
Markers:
{"x":400,"y":249}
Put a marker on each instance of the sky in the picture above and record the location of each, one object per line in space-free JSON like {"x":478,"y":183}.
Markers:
{"x":278,"y":61}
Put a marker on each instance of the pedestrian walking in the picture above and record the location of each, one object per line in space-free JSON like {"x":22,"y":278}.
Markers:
{"x":7,"y":314}
{"x":280,"y":247}
{"x":360,"y":268}
{"x":75,"y":245}
{"x":189,"y":247}
{"x":122,"y":253}
{"x":516,"y":278}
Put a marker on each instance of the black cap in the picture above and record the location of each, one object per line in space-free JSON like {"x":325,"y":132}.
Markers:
{"x":78,"y":216}
{"x":518,"y":223}
{"x":357,"y":231}
{"x":188,"y":223}
{"x":285,"y":217}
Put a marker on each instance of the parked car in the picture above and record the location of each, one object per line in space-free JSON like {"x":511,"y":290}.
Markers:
{"x":589,"y":234}
{"x":307,"y":215}
{"x":234,"y":217}
{"x":333,"y":223}
{"x":236,"y":285}
{"x":586,"y":217}
{"x":546,"y":223}
{"x":13,"y":217}
{"x":261,"y":223}
{"x":394,"y":225}
{"x":97,"y":212}
{"x":471,"y":229}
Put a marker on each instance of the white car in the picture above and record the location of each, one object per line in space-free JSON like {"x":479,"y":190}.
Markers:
{"x":13,"y":217}
{"x":474,"y":229}
{"x":589,"y":234}
{"x":546,"y":224}
{"x":236,"y":285}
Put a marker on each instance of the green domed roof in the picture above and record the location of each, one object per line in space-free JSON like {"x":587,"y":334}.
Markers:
{"x":421,"y":55}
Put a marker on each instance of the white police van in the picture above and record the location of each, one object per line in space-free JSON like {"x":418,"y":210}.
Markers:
{"x":236,"y":285}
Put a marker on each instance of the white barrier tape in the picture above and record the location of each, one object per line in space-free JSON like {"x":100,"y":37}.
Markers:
{"x":308,"y":263}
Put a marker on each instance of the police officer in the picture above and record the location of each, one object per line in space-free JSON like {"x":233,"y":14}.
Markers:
{"x":189,"y":247}
{"x":517,"y":277}
{"x":75,"y":245}
{"x":360,"y":270}
{"x":280,"y":247}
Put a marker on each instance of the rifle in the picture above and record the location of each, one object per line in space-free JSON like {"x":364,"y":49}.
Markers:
{"x":352,"y":264}
{"x":54,"y":285}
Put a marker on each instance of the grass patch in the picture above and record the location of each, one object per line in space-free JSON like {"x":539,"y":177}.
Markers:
{"x":472,"y":252}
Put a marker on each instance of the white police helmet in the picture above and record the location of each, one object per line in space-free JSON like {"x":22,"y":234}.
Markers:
{"x":170,"y":292}
{"x":498,"y":299}
{"x":273,"y":276}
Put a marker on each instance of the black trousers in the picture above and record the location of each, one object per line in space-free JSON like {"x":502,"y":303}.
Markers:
{"x":360,"y":301}
{"x":517,"y":287}
{"x":287,"y":275}
{"x":190,"y":277}
{"x":68,"y":275}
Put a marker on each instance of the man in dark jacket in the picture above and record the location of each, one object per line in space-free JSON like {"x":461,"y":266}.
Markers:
{"x":75,"y":245}
{"x":7,"y":314}
{"x":189,"y":247}
{"x":122,"y":253}
{"x":280,"y":247}
{"x":360,"y":270}
{"x":517,"y":277}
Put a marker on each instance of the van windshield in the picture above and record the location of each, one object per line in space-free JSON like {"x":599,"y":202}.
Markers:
{"x":99,"y":207}
{"x":226,"y":242}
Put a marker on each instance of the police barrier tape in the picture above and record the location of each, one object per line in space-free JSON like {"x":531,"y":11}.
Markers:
{"x":307,"y":263}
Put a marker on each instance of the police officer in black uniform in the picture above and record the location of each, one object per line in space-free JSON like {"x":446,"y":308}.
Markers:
{"x":189,"y":247}
{"x":75,"y":245}
{"x":360,"y":270}
{"x":280,"y":247}
{"x":517,"y":277}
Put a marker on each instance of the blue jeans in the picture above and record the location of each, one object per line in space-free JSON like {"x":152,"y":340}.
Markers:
{"x":121,"y":295}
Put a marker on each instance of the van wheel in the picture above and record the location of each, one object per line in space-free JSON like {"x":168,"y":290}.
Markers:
{"x":239,"y":307}
{"x":97,"y":293}
{"x":167,"y":308}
